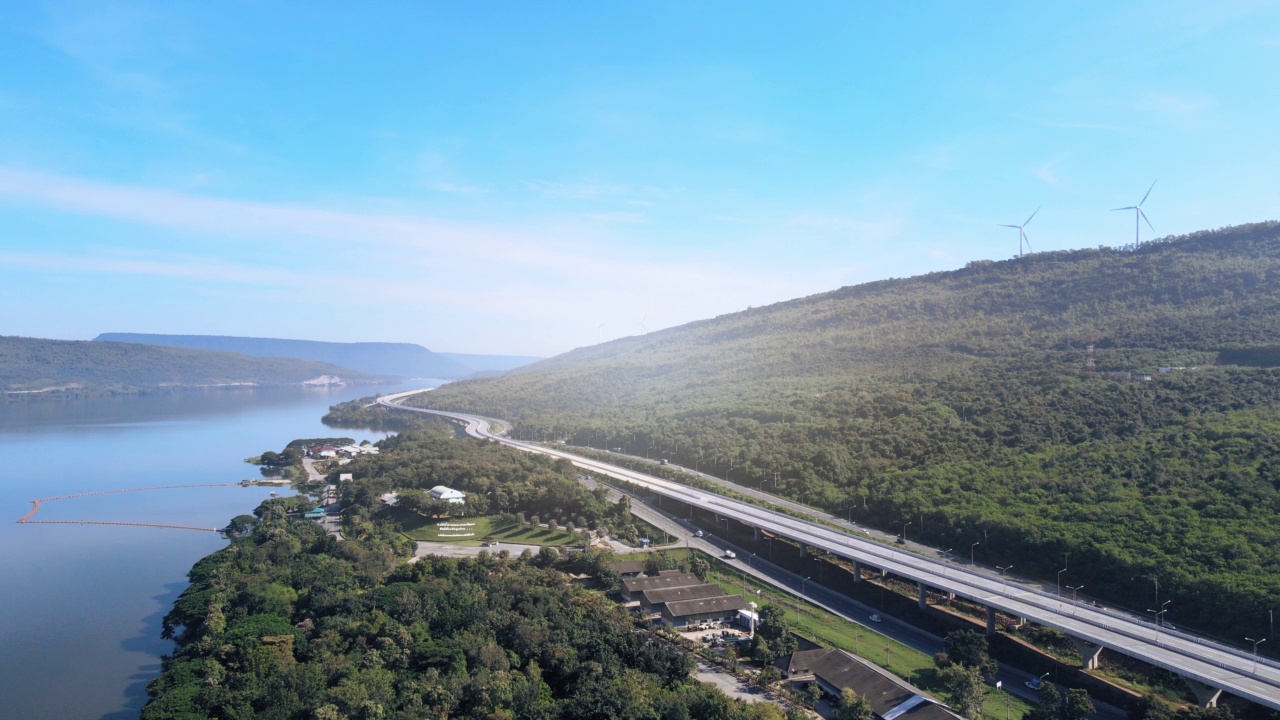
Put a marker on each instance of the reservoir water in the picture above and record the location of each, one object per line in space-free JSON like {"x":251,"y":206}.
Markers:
{"x":80,"y":605}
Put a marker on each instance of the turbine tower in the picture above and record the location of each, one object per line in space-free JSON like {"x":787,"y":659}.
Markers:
{"x":1138,"y":214}
{"x":1022,"y":233}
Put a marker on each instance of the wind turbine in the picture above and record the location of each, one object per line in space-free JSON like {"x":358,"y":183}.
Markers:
{"x":1137,"y":213}
{"x":598,"y":329}
{"x":1022,"y":233}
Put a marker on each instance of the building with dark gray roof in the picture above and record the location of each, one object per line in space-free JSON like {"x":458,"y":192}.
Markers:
{"x":717,"y":609}
{"x":835,"y":670}
{"x":632,"y":587}
{"x":653,"y":600}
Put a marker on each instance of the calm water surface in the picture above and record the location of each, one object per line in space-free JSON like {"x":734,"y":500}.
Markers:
{"x":80,"y":606}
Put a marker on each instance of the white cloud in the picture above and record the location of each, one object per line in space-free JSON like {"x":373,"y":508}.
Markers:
{"x":539,"y":274}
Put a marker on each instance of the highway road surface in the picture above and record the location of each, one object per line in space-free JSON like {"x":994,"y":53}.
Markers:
{"x":1231,"y":670}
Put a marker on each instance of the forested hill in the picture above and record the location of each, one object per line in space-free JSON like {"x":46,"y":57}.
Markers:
{"x":378,"y":358}
{"x":31,"y":365}
{"x":962,"y":400}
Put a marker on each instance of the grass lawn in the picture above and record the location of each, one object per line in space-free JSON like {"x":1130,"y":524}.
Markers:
{"x":473,"y":531}
{"x":514,"y":532}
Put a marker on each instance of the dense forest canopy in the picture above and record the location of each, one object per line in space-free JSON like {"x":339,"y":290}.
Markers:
{"x":287,"y":623}
{"x":964,"y":401}
{"x":32,"y":364}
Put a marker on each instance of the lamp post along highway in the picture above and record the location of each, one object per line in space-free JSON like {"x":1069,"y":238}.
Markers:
{"x":1058,"y":590}
{"x":904,"y":530}
{"x":1074,"y":589}
{"x":1004,"y":578}
{"x":1159,"y":617}
{"x":971,"y":547}
{"x":1256,"y":643}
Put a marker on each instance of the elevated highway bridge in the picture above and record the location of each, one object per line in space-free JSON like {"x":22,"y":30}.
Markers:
{"x":1208,"y":668}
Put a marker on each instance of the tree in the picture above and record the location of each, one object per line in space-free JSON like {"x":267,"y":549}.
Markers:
{"x":968,"y":647}
{"x":760,"y":649}
{"x":768,"y":676}
{"x":1150,"y":707}
{"x":1076,"y":705}
{"x":965,"y":687}
{"x":241,"y":524}
{"x":700,"y":566}
{"x":795,"y":712}
{"x":853,"y":706}
{"x":1048,"y":706}
{"x":658,"y":561}
{"x":812,"y":694}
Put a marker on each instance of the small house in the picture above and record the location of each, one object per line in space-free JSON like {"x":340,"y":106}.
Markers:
{"x":448,"y":495}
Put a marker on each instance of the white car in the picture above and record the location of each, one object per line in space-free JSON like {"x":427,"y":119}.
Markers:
{"x":730,"y":554}
{"x":875,"y":617}
{"x":698,"y":534}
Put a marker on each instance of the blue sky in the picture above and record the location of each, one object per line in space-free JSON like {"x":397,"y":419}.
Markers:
{"x":529,"y":177}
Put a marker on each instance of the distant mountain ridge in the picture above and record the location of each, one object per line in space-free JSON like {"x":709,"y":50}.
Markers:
{"x":38,"y":366}
{"x":380,"y":358}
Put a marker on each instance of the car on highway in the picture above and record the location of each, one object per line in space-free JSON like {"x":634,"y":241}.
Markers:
{"x":1035,"y":684}
{"x":730,"y":554}
{"x":698,"y":534}
{"x":875,"y":617}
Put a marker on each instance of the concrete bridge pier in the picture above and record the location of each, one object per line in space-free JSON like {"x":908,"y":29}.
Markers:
{"x":755,"y":533}
{"x":1089,"y":653}
{"x":991,"y":621}
{"x":857,"y":571}
{"x":1206,"y":695}
{"x":922,"y":595}
{"x":804,"y":550}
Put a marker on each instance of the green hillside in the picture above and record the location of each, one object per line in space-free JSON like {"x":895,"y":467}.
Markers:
{"x":961,"y":401}
{"x":35,"y":364}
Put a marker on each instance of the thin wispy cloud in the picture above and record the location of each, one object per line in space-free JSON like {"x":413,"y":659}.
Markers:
{"x":1049,"y":172}
{"x":1179,"y":106}
{"x":389,"y":258}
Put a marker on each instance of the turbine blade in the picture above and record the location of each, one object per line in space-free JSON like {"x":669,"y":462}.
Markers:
{"x":1028,"y":222}
{"x":1012,"y":226}
{"x":1144,"y":197}
{"x":1144,"y":217}
{"x":1131,"y":207}
{"x":1027,"y":239}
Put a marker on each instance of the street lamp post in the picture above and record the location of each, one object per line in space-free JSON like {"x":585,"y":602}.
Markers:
{"x":904,"y":530}
{"x":803,"y":593}
{"x":971,"y":547}
{"x":1256,"y":643}
{"x":1004,"y":577}
{"x":1159,"y":616}
{"x":1059,"y":583}
{"x":1074,"y":589}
